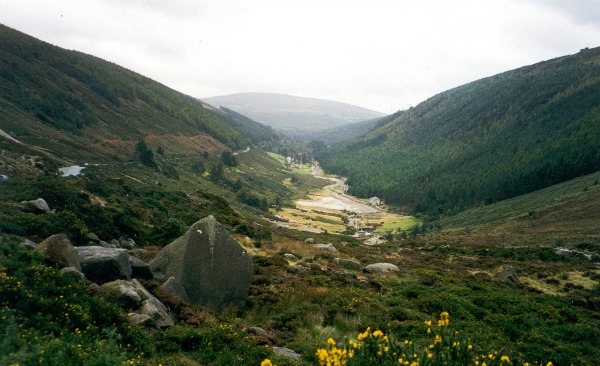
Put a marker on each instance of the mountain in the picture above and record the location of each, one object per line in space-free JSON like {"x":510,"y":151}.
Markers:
{"x":79,"y":106}
{"x":482,"y":142}
{"x":293,"y":115}
{"x":340,"y":133}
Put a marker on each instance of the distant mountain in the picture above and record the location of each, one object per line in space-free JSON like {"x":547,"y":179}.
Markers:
{"x":486,"y":141}
{"x":79,"y":106}
{"x":293,"y":115}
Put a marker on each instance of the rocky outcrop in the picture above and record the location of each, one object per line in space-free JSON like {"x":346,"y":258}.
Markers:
{"x":210,"y":265}
{"x":174,"y":287}
{"x":508,"y":275}
{"x":348,"y":264}
{"x":59,"y":251}
{"x":328,"y":247}
{"x":132,"y":296}
{"x":381,"y":268}
{"x":102,"y":265}
{"x":36,"y":206}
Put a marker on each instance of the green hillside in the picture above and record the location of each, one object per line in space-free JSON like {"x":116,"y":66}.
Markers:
{"x":79,"y":106}
{"x":486,"y":141}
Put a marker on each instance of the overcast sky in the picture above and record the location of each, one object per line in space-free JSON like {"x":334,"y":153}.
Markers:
{"x":382,"y":55}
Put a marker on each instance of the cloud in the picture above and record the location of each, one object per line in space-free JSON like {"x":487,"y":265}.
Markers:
{"x":379,"y":54}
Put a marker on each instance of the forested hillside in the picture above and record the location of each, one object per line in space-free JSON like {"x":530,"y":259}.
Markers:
{"x":489,"y":140}
{"x":73,"y":103}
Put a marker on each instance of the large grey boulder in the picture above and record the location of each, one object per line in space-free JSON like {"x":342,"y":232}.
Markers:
{"x":174,"y":287}
{"x":36,"y":206}
{"x":139,"y":268}
{"x":381,"y":268}
{"x":103,"y":265}
{"x":59,"y":251}
{"x":209,"y":264}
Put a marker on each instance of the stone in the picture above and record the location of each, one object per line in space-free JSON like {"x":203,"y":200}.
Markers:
{"x":142,"y":320}
{"x":174,"y":287}
{"x":29,"y":244}
{"x":139,"y":268}
{"x":381,"y":268}
{"x":126,"y":243}
{"x":59,"y":251}
{"x":328,"y":247}
{"x":103,"y":265}
{"x":73,"y":274}
{"x":209,"y":264}
{"x":123,"y":293}
{"x":508,"y":275}
{"x":309,"y":241}
{"x":286,"y":352}
{"x":258,"y":331}
{"x":290,"y":257}
{"x":92,"y":237}
{"x":348,"y":264}
{"x":158,"y":312}
{"x":36,"y":206}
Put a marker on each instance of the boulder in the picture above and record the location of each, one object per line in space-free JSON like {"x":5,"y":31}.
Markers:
{"x":286,"y":352}
{"x":126,"y":294}
{"x":103,"y":265}
{"x":381,"y":268}
{"x":508,"y":275}
{"x":29,"y":244}
{"x":158,"y":312}
{"x":291,"y":257}
{"x":59,"y":251}
{"x":208,"y":263}
{"x":36,"y":206}
{"x":139,"y":268}
{"x":141,"y":319}
{"x":328,"y":247}
{"x":309,"y":241}
{"x":73,"y":274}
{"x":174,"y":287}
{"x":126,"y":243}
{"x":348,"y":264}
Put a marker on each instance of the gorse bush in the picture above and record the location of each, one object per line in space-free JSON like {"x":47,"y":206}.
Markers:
{"x":48,"y":320}
{"x":443,"y":348}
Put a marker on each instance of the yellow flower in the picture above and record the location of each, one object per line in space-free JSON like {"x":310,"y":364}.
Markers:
{"x":266,"y":362}
{"x":549,"y":363}
{"x":331,"y":342}
{"x":427,"y":323}
{"x":444,"y":315}
{"x":505,"y":359}
{"x":438,"y":339}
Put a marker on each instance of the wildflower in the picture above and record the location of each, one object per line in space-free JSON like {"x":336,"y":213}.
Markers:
{"x":266,"y":362}
{"x":505,"y":359}
{"x":331,"y":342}
{"x":427,"y":323}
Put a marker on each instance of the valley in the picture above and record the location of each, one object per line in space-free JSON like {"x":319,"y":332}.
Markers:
{"x":484,"y":247}
{"x":331,"y":209}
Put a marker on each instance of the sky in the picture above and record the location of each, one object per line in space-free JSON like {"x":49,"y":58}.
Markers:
{"x":384,"y":55}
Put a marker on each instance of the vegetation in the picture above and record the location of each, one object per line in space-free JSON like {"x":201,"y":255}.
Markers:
{"x":451,"y":272}
{"x":483,"y":142}
{"x":78,"y":106}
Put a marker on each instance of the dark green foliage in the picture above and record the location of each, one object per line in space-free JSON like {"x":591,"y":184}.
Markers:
{"x":48,"y":320}
{"x":228,"y":159}
{"x":144,"y":154}
{"x":486,"y":141}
